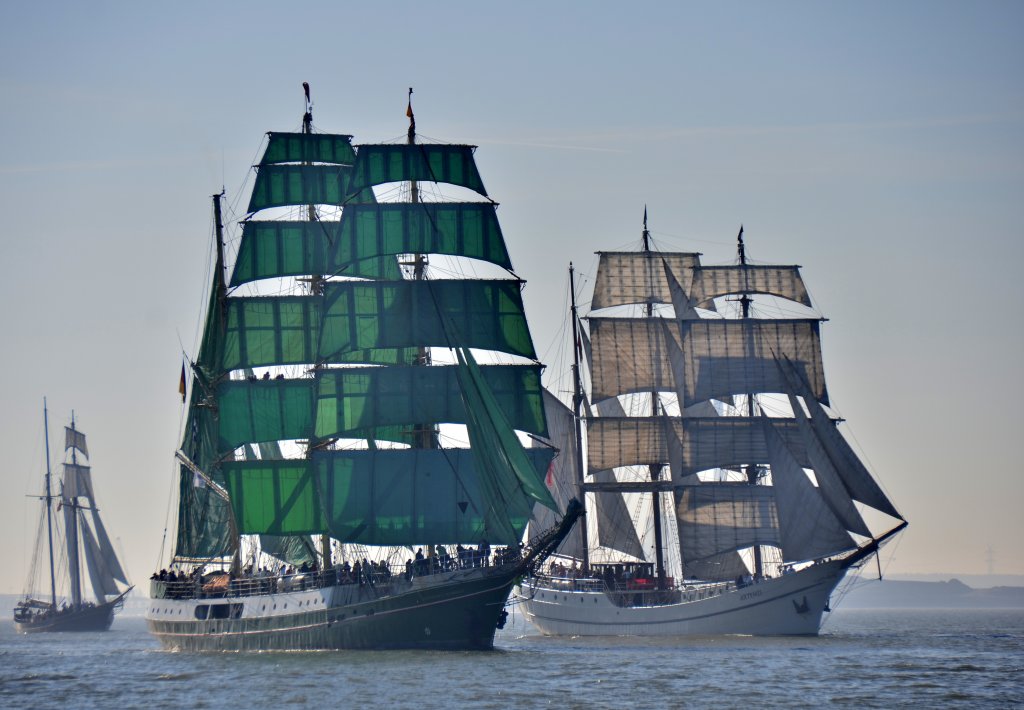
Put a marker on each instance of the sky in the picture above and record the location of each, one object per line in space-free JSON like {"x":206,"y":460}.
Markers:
{"x":879,"y":145}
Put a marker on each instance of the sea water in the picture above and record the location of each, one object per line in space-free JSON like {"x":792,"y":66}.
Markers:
{"x":863,"y":658}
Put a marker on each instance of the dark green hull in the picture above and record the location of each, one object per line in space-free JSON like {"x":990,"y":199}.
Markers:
{"x":462,"y":612}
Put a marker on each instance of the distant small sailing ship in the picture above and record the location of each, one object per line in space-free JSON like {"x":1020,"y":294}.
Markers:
{"x":705,"y":416}
{"x":313,"y":458}
{"x":80,"y":537}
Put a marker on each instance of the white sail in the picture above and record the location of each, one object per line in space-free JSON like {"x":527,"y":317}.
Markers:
{"x":614,"y":524}
{"x":728,"y":357}
{"x":638,"y":277}
{"x":807,"y":527}
{"x":855,"y":476}
{"x":682,"y":303}
{"x":563,"y":474}
{"x":629,"y":355}
{"x":720,"y":357}
{"x":716,"y":518}
{"x":70,"y":511}
{"x":74,"y":439}
{"x":99,"y":573}
{"x":77,"y":480}
{"x":707,"y":442}
{"x":710,"y":282}
{"x":829,"y":481}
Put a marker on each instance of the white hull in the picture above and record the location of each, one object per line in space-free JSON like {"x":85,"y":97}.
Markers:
{"x":789,"y":605}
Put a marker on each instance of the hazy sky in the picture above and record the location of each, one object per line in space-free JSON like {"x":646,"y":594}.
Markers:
{"x":878,"y":144}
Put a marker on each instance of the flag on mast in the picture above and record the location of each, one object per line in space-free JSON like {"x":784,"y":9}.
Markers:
{"x":181,"y":384}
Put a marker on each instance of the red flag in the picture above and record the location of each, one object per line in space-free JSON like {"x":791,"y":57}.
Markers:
{"x":181,"y":384}
{"x":549,"y":479}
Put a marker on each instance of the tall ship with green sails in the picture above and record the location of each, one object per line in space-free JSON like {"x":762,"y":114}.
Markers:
{"x":351,"y":469}
{"x":725,"y":498}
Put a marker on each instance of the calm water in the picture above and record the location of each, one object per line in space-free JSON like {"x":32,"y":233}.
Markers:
{"x":863,"y":658}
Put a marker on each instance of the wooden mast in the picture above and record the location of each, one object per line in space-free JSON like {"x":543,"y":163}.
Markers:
{"x":424,"y":435}
{"x":218,"y":225}
{"x":752,"y":471}
{"x":655,"y":469}
{"x":49,"y":508}
{"x":316,"y":287}
{"x":577,"y":410}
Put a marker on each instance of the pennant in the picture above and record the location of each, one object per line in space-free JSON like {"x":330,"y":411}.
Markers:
{"x":549,"y":479}
{"x":181,"y":384}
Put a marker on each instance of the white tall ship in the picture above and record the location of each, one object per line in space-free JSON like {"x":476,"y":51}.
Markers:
{"x":723,"y":499}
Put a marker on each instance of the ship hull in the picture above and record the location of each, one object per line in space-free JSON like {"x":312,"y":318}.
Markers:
{"x":96,"y":618}
{"x":453,"y":611}
{"x":789,"y":605}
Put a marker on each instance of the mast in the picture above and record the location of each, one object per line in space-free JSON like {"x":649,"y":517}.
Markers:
{"x":577,"y":407}
{"x":315,"y":284}
{"x":424,"y":436}
{"x":49,"y":507}
{"x":236,"y":543}
{"x":655,"y":469}
{"x":752,"y":471}
{"x":71,"y":534}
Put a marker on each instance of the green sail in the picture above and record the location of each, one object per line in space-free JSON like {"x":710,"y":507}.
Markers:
{"x":273,"y":249}
{"x":468,"y":229}
{"x":383,"y":497}
{"x":478,"y":314}
{"x":285,"y":330}
{"x":427,"y":162}
{"x":367,"y":238}
{"x":289,"y":185}
{"x":374,"y":323}
{"x":308,"y":148}
{"x":203,"y":517}
{"x":264,"y":410}
{"x":271,"y":330}
{"x":291,"y":549}
{"x":354,"y":401}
